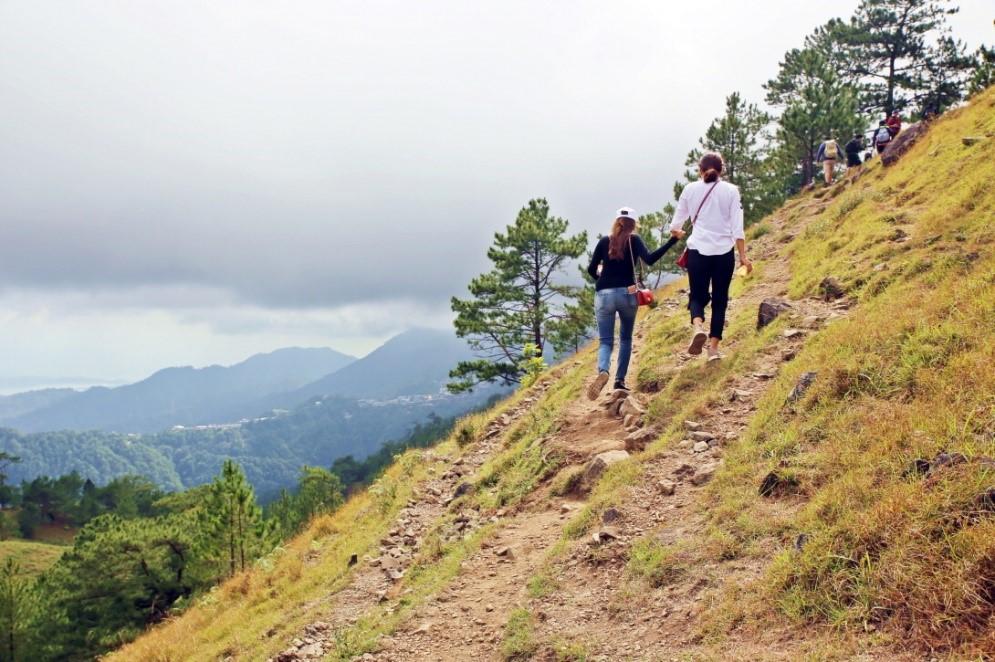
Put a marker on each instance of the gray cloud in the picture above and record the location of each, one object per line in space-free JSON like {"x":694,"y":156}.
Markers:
{"x":246,"y":157}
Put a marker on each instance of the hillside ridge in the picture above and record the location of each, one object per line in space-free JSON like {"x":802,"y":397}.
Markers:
{"x":774,"y":506}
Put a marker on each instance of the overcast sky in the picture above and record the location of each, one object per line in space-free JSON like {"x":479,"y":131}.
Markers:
{"x":192,"y":182}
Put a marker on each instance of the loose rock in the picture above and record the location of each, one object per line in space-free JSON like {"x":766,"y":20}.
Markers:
{"x":704,"y":473}
{"x":804,"y":383}
{"x":769,"y":311}
{"x":831,"y":289}
{"x":667,"y":487}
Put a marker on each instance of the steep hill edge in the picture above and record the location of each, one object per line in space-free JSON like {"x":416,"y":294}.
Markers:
{"x":853,"y":550}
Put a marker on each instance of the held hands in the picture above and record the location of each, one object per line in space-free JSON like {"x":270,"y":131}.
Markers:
{"x":677,"y":234}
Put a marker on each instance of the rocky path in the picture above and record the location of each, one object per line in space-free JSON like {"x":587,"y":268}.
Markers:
{"x":374,"y":578}
{"x":593,"y":602}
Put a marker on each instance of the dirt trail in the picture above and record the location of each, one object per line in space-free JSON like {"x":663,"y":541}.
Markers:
{"x":592,"y":603}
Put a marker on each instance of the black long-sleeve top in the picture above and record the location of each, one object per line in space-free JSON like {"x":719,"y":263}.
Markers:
{"x":619,"y":273}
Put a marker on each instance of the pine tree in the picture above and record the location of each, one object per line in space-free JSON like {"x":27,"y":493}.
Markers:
{"x":514,"y":303}
{"x":741,"y":136}
{"x":983,"y":75}
{"x":902,"y":55}
{"x":815,"y":102}
{"x":231,"y":521}
{"x":17,"y":609}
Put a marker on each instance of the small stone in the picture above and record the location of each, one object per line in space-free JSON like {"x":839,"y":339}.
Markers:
{"x":504,"y":551}
{"x":692,"y":426}
{"x":739,"y":394}
{"x":565,"y":508}
{"x":683,"y":471}
{"x":700,"y":446}
{"x":831,"y":288}
{"x":704,"y":473}
{"x":971,"y":140}
{"x":701,"y":435}
{"x":685,"y":443}
{"x":793,"y":333}
{"x":800,"y":541}
{"x":610,"y":515}
{"x":667,"y":487}
{"x":804,"y":383}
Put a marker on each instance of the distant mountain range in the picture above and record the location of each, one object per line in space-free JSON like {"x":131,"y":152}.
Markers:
{"x":174,"y":396}
{"x":273,"y":413}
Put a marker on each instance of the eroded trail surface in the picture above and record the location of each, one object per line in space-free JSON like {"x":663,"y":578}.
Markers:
{"x":589,"y":599}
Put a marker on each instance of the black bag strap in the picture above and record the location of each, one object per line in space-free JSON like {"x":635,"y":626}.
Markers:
{"x":708,"y":193}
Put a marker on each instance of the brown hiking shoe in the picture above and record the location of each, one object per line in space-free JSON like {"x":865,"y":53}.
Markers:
{"x":594,"y":390}
{"x":698,"y":340}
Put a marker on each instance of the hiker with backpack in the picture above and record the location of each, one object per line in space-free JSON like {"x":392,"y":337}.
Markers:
{"x":828,"y":152}
{"x":853,"y":150}
{"x":882,"y":137}
{"x":710,"y":257}
{"x":619,"y":291}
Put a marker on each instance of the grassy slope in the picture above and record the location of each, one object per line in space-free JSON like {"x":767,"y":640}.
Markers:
{"x":909,"y":373}
{"x":33,"y":557}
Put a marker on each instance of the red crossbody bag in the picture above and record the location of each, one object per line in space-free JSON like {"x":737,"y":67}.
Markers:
{"x":682,"y":261}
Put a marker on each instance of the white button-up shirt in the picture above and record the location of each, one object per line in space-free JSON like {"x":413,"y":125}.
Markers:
{"x":720,"y":222}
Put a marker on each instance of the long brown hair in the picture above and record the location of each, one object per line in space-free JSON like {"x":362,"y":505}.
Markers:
{"x":622,"y":229}
{"x":711,"y":166}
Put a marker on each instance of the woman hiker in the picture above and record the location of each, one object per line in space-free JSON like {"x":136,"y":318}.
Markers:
{"x":717,"y":230}
{"x":613,"y":266}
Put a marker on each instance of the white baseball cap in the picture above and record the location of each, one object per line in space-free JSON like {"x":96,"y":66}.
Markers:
{"x":626,"y":212}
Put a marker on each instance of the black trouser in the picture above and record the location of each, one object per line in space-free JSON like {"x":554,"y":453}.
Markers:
{"x":852,"y":159}
{"x":714,"y":270}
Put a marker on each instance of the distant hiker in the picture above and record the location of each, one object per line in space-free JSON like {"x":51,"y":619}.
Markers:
{"x":894,"y":124}
{"x":882,"y":137}
{"x":828,"y":152}
{"x":717,"y":229}
{"x":853,"y":150}
{"x":613,"y":266}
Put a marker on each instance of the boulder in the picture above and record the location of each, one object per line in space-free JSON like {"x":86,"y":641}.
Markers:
{"x":638,"y":439}
{"x":769,"y":311}
{"x":902,"y":143}
{"x":599,"y":464}
{"x":631,"y":407}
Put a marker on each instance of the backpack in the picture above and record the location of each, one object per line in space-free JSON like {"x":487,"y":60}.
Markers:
{"x":882,"y":136}
{"x":832,"y":150}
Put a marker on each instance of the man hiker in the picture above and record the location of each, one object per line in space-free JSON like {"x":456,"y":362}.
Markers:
{"x":828,"y":152}
{"x":882,"y":137}
{"x":853,"y":150}
{"x":894,"y":124}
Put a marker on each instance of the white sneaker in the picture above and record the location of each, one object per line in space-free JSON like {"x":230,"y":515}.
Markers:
{"x":698,"y":340}
{"x":713,"y":355}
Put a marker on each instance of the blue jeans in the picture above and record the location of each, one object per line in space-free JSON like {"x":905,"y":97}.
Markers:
{"x":607,"y":303}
